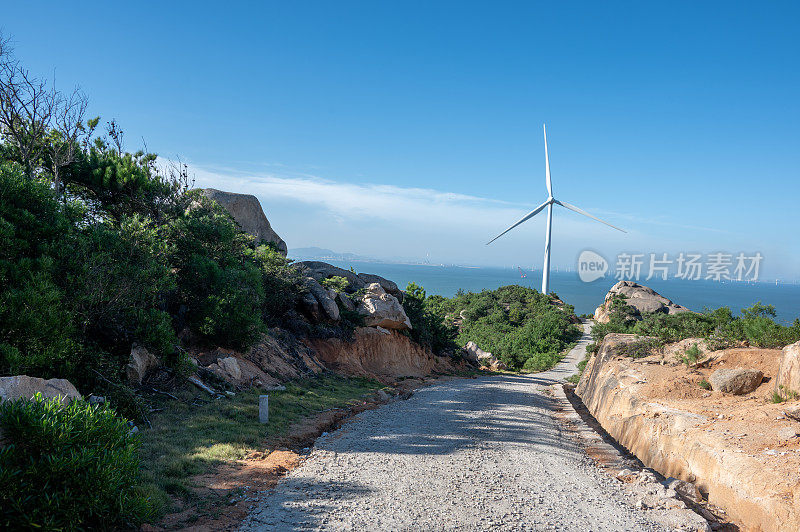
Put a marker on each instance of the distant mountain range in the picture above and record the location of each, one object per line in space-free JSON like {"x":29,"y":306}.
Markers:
{"x":315,"y":253}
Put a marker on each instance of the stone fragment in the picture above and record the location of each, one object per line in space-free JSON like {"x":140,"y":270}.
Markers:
{"x":735,"y":381}
{"x":140,"y":362}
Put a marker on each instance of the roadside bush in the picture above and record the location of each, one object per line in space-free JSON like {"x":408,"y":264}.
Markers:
{"x":755,"y":327}
{"x":219,"y":280}
{"x":68,"y":467}
{"x":117,"y":279}
{"x":520,"y":326}
{"x":281,"y":283}
{"x":641,"y":348}
{"x":428,"y":328}
{"x":691,"y":355}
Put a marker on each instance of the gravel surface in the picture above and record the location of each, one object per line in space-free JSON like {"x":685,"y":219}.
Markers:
{"x":469,"y":454}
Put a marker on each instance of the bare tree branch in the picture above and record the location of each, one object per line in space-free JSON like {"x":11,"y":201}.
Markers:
{"x":68,"y":130}
{"x":27,"y":104}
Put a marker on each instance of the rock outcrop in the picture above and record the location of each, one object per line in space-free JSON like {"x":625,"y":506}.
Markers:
{"x":386,"y":284}
{"x":247,"y":211}
{"x":378,"y":354}
{"x":322,"y":270}
{"x":240,"y":372}
{"x":643,"y":299}
{"x":22,"y":386}
{"x":732,"y":448}
{"x":735,"y":381}
{"x":380,"y":309}
{"x":323,"y":297}
{"x":277,"y":357}
{"x":140,"y":362}
{"x":788,"y":378}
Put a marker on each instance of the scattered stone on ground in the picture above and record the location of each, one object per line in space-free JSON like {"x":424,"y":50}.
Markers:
{"x":735,"y":381}
{"x":140,"y":362}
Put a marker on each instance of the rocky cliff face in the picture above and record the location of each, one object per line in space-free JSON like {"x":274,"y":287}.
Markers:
{"x":643,"y":299}
{"x":740,"y":450}
{"x":379,"y":353}
{"x":247,"y":211}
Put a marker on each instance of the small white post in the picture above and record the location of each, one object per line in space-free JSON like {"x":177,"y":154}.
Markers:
{"x":263,"y":408}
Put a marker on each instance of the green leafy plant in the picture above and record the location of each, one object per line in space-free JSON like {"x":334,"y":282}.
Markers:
{"x":704,"y":384}
{"x":641,"y":348}
{"x":521,"y":327}
{"x":71,"y":466}
{"x":783,"y":394}
{"x":691,"y":355}
{"x":428,"y":327}
{"x":339,"y":284}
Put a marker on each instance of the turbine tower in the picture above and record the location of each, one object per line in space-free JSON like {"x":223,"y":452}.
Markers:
{"x":549,"y":204}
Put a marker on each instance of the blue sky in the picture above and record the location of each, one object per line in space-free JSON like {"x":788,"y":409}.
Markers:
{"x":400,"y":129}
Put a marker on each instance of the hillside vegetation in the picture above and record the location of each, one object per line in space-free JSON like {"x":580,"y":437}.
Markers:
{"x":756,"y":327}
{"x":522,"y":327}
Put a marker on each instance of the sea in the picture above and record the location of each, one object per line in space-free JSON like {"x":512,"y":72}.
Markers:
{"x":585,"y":297}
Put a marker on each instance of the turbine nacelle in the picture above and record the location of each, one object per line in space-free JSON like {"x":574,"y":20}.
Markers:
{"x":549,"y":204}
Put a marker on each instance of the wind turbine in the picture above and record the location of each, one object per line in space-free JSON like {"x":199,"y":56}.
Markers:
{"x":549,"y":204}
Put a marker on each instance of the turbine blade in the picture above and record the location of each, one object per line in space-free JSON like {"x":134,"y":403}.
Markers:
{"x":525,"y":218}
{"x":547,"y":164}
{"x":581,"y":211}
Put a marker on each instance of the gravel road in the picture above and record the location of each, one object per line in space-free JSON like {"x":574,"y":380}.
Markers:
{"x":469,"y":454}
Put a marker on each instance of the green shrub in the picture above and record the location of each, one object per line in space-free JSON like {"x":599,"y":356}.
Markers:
{"x":520,"y":326}
{"x":783,"y":394}
{"x":280,"y":281}
{"x":219,"y":279}
{"x":691,"y":355}
{"x":336,"y":283}
{"x":428,"y":327}
{"x":704,"y":384}
{"x":641,"y":348}
{"x":68,"y":467}
{"x":756,"y":327}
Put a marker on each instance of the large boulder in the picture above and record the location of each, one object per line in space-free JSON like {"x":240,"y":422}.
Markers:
{"x":643,"y":299}
{"x":322,"y":270}
{"x":140,"y":362}
{"x":475,"y":353}
{"x":484,"y":358}
{"x":380,"y":309}
{"x":386,"y":284}
{"x":247,"y":211}
{"x":735,"y":381}
{"x":788,"y":378}
{"x":22,"y":386}
{"x":323,"y":297}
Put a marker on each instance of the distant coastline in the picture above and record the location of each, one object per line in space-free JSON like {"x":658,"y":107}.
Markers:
{"x":446,"y":280}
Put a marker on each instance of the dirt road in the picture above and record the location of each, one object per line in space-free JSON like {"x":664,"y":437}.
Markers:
{"x":470,"y":454}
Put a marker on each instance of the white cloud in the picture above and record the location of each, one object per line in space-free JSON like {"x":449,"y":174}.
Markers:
{"x":364,"y":202}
